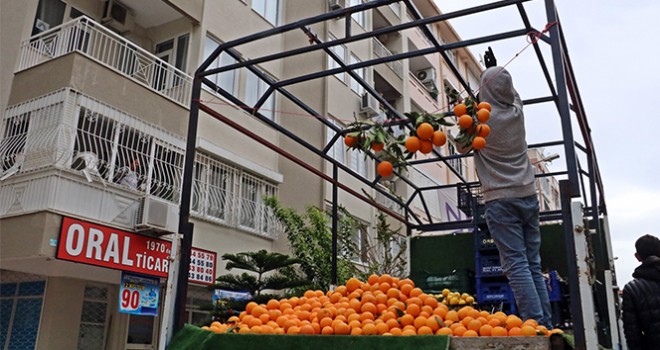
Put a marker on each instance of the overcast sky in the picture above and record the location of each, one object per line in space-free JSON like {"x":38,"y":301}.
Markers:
{"x":612,"y":45}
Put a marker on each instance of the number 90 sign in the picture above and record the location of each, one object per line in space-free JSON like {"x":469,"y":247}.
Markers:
{"x":139,"y":295}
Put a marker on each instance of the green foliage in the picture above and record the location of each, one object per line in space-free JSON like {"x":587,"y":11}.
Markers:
{"x":259,"y":263}
{"x":310,"y":238}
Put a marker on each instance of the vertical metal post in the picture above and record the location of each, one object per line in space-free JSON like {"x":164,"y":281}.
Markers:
{"x":168,"y":327}
{"x":562,"y":94}
{"x":573,"y":285}
{"x":185,"y":227}
{"x":335,"y":236}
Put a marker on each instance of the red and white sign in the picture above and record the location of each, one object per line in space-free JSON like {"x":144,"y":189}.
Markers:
{"x":98,"y":245}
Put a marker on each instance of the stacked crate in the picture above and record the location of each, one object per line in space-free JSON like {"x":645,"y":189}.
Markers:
{"x":492,"y":286}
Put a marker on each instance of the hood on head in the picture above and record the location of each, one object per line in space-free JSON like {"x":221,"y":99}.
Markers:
{"x":497,"y":86}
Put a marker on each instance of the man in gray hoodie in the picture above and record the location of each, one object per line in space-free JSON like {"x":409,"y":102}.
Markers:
{"x":512,"y":208}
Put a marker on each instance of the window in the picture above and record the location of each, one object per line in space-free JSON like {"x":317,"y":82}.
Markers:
{"x":358,"y":162}
{"x":360,"y":239}
{"x":198,"y":299}
{"x":112,"y":151}
{"x":213,"y":188}
{"x":355,"y":86}
{"x":456,"y":163}
{"x":339,"y":50}
{"x":338,"y":150}
{"x":255,"y":88}
{"x":20,"y":311}
{"x":226,"y":194}
{"x":12,"y":145}
{"x":93,"y":322}
{"x":268,"y":9}
{"x":357,"y":16}
{"x":253,"y":213}
{"x":225,"y":80}
{"x":49,"y":14}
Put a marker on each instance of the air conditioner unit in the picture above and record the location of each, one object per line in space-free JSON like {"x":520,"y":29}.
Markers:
{"x":426,"y":75}
{"x":336,"y":4}
{"x":157,"y":215}
{"x":118,"y":17}
{"x":369,"y":104}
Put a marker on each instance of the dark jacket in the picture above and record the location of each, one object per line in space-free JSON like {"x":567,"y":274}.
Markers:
{"x":641,"y":306}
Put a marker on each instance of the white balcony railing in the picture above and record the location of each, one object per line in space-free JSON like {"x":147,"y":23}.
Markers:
{"x":100,"y":44}
{"x":381,"y":51}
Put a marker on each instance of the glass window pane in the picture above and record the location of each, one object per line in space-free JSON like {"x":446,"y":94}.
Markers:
{"x":94,"y":312}
{"x":140,"y":329}
{"x":6,"y":306}
{"x":91,"y":337}
{"x":25,"y":326}
{"x":8,"y":289}
{"x":31,"y":288}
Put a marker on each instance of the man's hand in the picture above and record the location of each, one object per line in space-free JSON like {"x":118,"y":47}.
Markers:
{"x":489,"y":58}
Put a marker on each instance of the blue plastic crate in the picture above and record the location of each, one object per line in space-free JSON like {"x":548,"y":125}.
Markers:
{"x":488,"y":266}
{"x":483,"y":241}
{"x":493,"y":291}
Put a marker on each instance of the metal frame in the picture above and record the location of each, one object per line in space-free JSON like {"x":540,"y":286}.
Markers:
{"x":565,"y":88}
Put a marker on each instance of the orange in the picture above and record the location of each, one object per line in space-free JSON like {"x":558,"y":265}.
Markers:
{"x":356,"y":331}
{"x":460,"y":109}
{"x":384,"y":287}
{"x":465,"y":121}
{"x":515,"y":332}
{"x":444,"y":331}
{"x":369,"y":307}
{"x":350,"y":141}
{"x":484,"y":105}
{"x":415,"y":292}
{"x":382,"y":328}
{"x":499,"y":332}
{"x":513,"y":321}
{"x":377,"y":146}
{"x":373,"y":279}
{"x":327,"y":330}
{"x":459,"y":331}
{"x":413,"y":144}
{"x":439,"y":138}
{"x":395,"y":331}
{"x":470,"y":333}
{"x":452,"y":315}
{"x":406,"y":288}
{"x":478,"y":143}
{"x":426,"y":146}
{"x":424,"y":330}
{"x":528,"y":331}
{"x":352,"y":284}
{"x":308,"y":294}
{"x":369,"y":329}
{"x":385,"y":278}
{"x":463,"y":312}
{"x":531,"y":322}
{"x":485,"y":330}
{"x":413,"y":310}
{"x":273,"y":304}
{"x":342,"y":328}
{"x":474,"y":325}
{"x":306,"y":329}
{"x":250,"y":306}
{"x":342,"y":290}
{"x":393,"y":293}
{"x":483,"y":130}
{"x":483,"y":115}
{"x":433,"y":323}
{"x":407,"y":319}
{"x":415,"y":300}
{"x":293,"y":330}
{"x":425,"y":131}
{"x":385,"y":168}
{"x":420,"y":321}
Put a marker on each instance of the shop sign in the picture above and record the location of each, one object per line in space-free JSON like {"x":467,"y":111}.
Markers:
{"x":93,"y":244}
{"x":138,"y":295}
{"x":221,"y":294}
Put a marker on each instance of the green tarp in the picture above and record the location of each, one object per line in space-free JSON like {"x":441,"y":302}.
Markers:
{"x":195,"y":338}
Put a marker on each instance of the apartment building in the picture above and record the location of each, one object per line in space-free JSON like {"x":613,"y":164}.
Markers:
{"x":96,"y":98}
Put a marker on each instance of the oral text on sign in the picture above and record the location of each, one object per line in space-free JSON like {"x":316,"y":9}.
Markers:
{"x":98,"y":245}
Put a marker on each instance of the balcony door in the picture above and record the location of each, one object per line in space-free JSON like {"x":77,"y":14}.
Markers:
{"x":173,"y":52}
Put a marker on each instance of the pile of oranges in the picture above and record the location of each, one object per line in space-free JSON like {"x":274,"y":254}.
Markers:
{"x":473,"y":122}
{"x":383,"y":305}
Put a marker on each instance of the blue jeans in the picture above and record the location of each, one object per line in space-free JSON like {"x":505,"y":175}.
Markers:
{"x":514,"y":226}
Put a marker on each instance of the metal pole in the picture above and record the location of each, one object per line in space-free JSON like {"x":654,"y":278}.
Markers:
{"x":335,"y":174}
{"x":167,"y":320}
{"x":185,"y":227}
{"x":564,"y":110}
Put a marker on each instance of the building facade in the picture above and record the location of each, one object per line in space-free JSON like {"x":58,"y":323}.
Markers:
{"x":95,"y":98}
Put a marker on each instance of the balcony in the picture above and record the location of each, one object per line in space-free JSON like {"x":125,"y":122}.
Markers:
{"x":381,"y":51}
{"x":93,"y":40}
{"x":69,"y":153}
{"x":420,"y":94}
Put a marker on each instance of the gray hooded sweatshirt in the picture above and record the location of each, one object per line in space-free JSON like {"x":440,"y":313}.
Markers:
{"x":503,"y":166}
